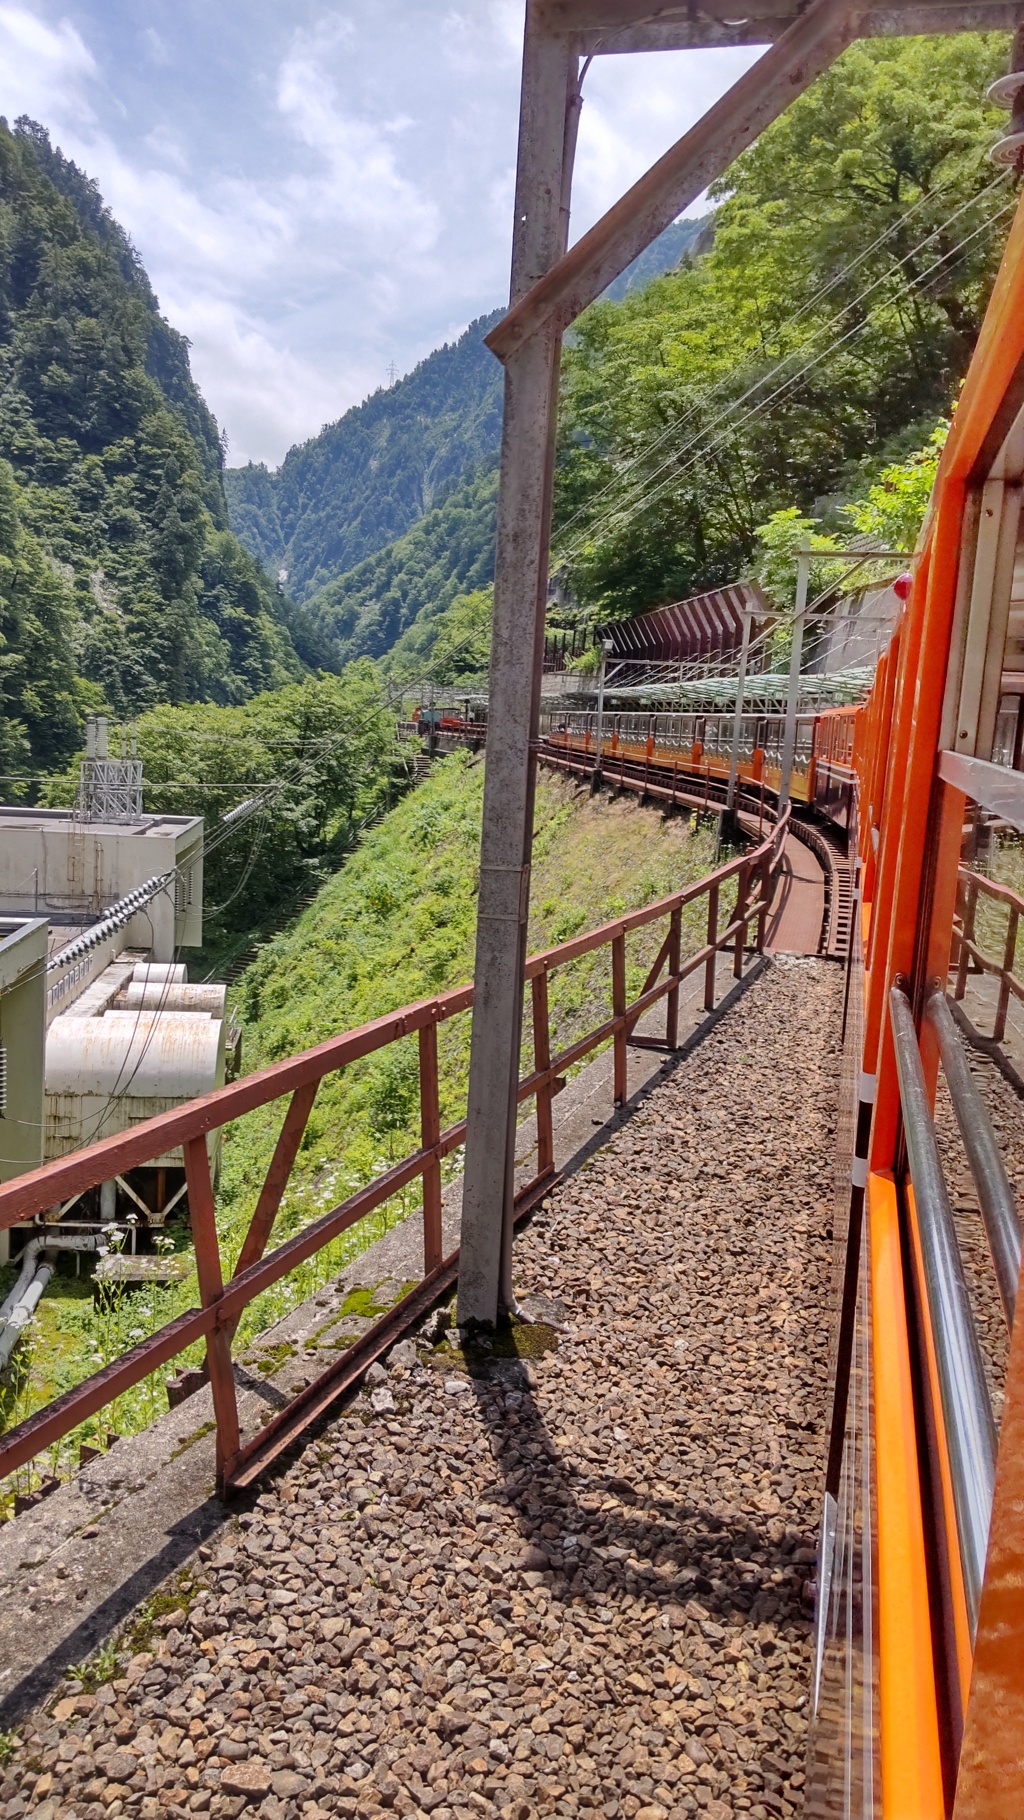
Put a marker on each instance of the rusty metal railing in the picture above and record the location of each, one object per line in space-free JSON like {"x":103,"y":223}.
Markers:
{"x":971,"y":885}
{"x":240,"y":1462}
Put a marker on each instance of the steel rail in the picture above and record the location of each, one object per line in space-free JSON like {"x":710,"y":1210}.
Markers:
{"x":995,"y":1195}
{"x":966,"y":1405}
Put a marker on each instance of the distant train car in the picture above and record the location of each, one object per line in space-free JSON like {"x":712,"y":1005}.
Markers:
{"x":832,"y":776}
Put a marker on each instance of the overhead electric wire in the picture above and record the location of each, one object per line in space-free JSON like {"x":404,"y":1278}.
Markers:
{"x":644,"y":481}
{"x":787,"y":323}
{"x":793,"y":353}
{"x":643,"y":498}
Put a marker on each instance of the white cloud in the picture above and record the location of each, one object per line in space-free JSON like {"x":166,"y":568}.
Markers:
{"x":634,"y":108}
{"x":358,"y":185}
{"x":43,"y":66}
{"x":317,"y":191}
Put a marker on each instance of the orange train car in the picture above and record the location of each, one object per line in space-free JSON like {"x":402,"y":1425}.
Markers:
{"x":918,"y":1698}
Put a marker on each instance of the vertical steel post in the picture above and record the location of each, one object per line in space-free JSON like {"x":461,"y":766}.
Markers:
{"x":547,"y":126}
{"x":1009,"y":951}
{"x":203,"y":1218}
{"x":542,"y":1061}
{"x":737,"y":720}
{"x":739,"y":914}
{"x":430,"y":1132}
{"x":595,"y":780}
{"x":672,"y":1001}
{"x":803,"y":571}
{"x":969,"y":912}
{"x":709,"y":965}
{"x":621,"y":1037}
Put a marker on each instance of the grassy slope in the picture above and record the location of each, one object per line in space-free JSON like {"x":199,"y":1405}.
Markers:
{"x":395,"y":924}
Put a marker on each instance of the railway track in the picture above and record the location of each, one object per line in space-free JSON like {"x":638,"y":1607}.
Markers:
{"x":814,"y":896}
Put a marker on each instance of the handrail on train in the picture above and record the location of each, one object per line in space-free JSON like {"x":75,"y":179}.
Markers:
{"x":995,"y":1195}
{"x":32,"y":1195}
{"x":966,"y":1404}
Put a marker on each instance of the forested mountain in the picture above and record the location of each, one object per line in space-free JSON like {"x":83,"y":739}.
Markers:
{"x":823,"y":335}
{"x":392,"y":460}
{"x":663,"y":255}
{"x":366,"y":479}
{"x":121,"y":584}
{"x":448,"y":553}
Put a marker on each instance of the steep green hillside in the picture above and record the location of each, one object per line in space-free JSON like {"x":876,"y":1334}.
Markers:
{"x":114,"y":535}
{"x":367,"y":478}
{"x":365,"y":481}
{"x":395,"y":924}
{"x":822,"y":336}
{"x":449,"y":552}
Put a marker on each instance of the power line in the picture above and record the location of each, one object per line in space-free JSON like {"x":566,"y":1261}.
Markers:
{"x":635,"y":499}
{"x":695,"y":441}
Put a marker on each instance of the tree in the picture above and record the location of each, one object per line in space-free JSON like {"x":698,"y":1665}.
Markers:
{"x":821,"y":339}
{"x":118,"y":461}
{"x":317,"y":758}
{"x":40,"y":700}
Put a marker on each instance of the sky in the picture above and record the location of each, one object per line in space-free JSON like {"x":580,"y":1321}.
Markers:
{"x":321,"y":192}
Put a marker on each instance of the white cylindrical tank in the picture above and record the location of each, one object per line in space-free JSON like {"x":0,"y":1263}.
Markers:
{"x":153,"y":995}
{"x":160,"y":970}
{"x":147,"y":1054}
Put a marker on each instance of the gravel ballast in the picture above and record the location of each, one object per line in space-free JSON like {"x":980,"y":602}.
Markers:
{"x":573,"y":1581}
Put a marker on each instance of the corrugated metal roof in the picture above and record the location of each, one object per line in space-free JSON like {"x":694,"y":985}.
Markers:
{"x":704,"y":624}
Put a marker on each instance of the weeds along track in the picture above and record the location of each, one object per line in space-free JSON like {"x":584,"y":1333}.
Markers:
{"x":574,"y":1581}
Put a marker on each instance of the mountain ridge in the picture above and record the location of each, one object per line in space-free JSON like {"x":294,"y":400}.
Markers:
{"x":121,"y":582}
{"x":365,"y":481}
{"x":367,"y":478}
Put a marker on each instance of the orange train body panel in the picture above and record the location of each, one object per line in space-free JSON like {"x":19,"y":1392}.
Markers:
{"x":909,"y":827}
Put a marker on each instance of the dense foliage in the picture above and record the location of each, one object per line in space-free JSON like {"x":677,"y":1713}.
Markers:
{"x":40,"y":695}
{"x":363,"y":481}
{"x":819,"y":340}
{"x":113,"y":512}
{"x":317,"y":760}
{"x":411,"y":582}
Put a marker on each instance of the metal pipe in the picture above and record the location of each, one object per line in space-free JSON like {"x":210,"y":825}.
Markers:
{"x":966,"y":1406}
{"x":995,"y":1195}
{"x":21,"y":1315}
{"x":38,"y":1263}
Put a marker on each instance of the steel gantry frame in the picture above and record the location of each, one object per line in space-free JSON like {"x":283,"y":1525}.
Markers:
{"x":550,"y":285}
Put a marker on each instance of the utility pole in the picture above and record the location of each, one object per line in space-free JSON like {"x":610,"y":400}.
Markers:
{"x":803,"y":572}
{"x":550,"y":287}
{"x":547,"y":134}
{"x":741,"y":678}
{"x":606,"y":651}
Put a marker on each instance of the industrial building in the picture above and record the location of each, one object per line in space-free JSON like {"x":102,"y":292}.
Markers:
{"x":100,"y":1027}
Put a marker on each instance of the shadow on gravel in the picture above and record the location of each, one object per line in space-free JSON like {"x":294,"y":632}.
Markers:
{"x":589,"y":1555}
{"x":594,"y":1539}
{"x":183,"y":1540}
